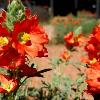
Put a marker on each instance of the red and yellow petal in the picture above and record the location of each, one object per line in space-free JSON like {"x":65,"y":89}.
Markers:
{"x":8,"y":84}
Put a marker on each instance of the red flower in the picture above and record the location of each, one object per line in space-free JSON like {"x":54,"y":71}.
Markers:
{"x":80,"y":39}
{"x":5,"y":39}
{"x":14,"y":64}
{"x":2,"y":16}
{"x":29,"y":38}
{"x":96,"y":32}
{"x":92,"y":51}
{"x":94,"y":64}
{"x":69,"y":38}
{"x":91,"y":48}
{"x":7,"y":84}
{"x":74,"y":41}
{"x":11,"y":59}
{"x":28,"y":13}
{"x":93,"y":80}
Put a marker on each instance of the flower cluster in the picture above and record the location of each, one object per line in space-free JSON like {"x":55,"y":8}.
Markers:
{"x":72,"y":41}
{"x":26,"y":38}
{"x":93,"y":50}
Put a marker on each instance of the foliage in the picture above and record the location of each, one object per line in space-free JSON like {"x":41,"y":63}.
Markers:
{"x":61,"y":87}
{"x":88,"y":26}
{"x":71,"y":23}
{"x":62,"y":30}
{"x":15,"y":12}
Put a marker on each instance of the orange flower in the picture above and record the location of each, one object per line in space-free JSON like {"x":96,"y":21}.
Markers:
{"x":93,"y":50}
{"x":69,"y":38}
{"x":72,"y":41}
{"x":93,"y":80}
{"x":93,"y":46}
{"x":29,"y":38}
{"x":95,"y":64}
{"x":80,"y":39}
{"x":65,"y":56}
{"x":7,"y":84}
{"x":96,"y":32}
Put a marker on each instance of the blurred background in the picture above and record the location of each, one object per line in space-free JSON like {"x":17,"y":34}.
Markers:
{"x":49,"y":8}
{"x":62,"y":16}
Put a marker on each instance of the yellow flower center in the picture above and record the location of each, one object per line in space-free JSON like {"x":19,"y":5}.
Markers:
{"x":7,"y":86}
{"x":24,"y":37}
{"x":94,"y":60}
{"x":3,"y":41}
{"x":79,"y":39}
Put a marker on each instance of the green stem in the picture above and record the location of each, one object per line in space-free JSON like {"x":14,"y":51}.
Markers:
{"x":19,"y":86}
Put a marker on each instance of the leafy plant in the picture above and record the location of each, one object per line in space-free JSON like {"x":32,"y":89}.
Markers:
{"x":81,"y":24}
{"x":61,"y":87}
{"x":88,"y":25}
{"x":61,"y":30}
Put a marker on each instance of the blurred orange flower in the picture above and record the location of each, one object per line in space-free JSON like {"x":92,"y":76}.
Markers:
{"x":65,"y":56}
{"x":93,"y":80}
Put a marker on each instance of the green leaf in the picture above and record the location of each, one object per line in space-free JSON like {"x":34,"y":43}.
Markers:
{"x":83,"y":87}
{"x":55,"y":62}
{"x":78,"y":30}
{"x":56,"y":81}
{"x":26,"y":92}
{"x":80,"y":80}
